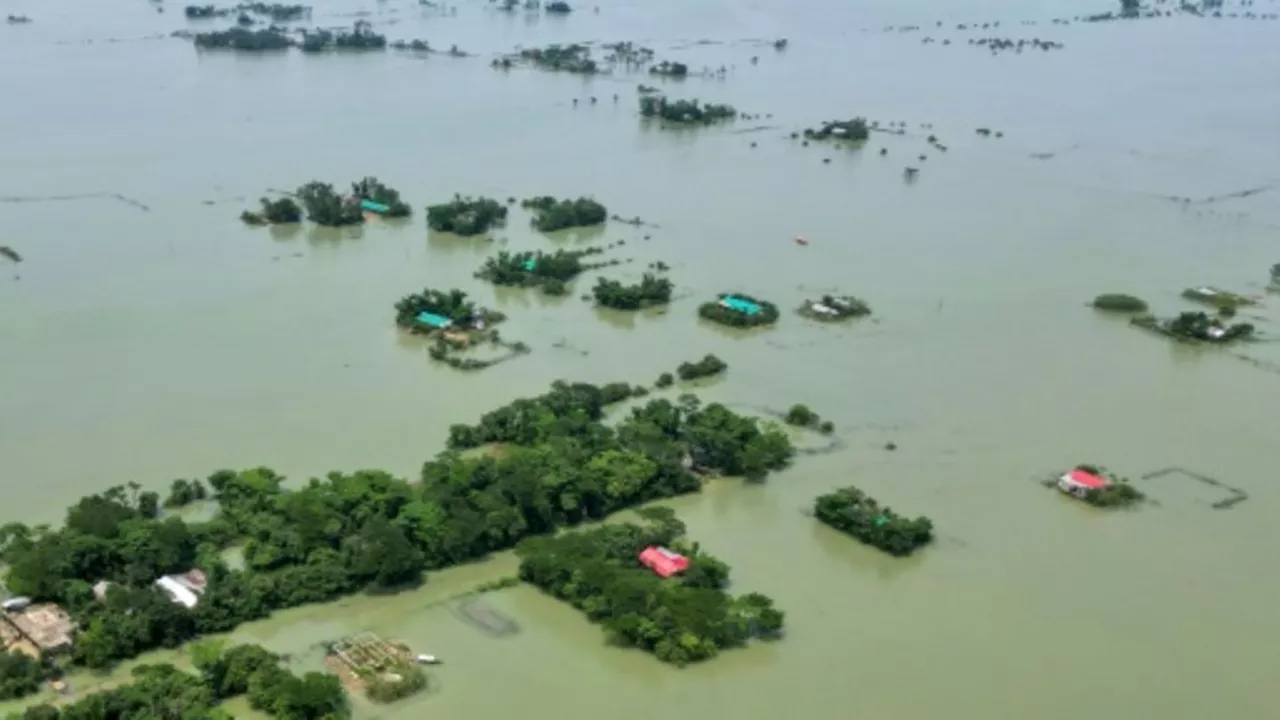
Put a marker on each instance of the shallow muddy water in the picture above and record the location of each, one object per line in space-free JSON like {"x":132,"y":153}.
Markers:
{"x":152,"y":336}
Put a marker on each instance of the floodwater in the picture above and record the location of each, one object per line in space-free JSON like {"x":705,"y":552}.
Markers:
{"x":147,"y":344}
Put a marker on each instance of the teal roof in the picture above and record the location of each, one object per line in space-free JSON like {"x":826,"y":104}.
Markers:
{"x":530,"y":264}
{"x":372,"y":206}
{"x":433,"y":320}
{"x":743,"y":306}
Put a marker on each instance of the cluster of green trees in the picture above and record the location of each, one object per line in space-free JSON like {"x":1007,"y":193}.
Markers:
{"x":855,"y":129}
{"x":665,"y":380}
{"x":466,"y":216}
{"x":549,"y":271}
{"x":371,"y":189}
{"x":855,"y":513}
{"x":1196,"y":326}
{"x":448,"y":351}
{"x":558,"y":7}
{"x":679,"y":620}
{"x":452,"y":304}
{"x":346,"y":532}
{"x":183,"y":492}
{"x":360,"y":37}
{"x":651,"y":290}
{"x":326,"y":207}
{"x":421,"y":46}
{"x":274,"y":212}
{"x":275,"y":11}
{"x":667,"y":68}
{"x":801,"y":416}
{"x":1119,"y":302}
{"x":20,"y":674}
{"x":160,"y":692}
{"x":684,"y":111}
{"x":550,"y":214}
{"x":706,"y":367}
{"x":717,"y":312}
{"x":244,"y":39}
{"x":573,"y":58}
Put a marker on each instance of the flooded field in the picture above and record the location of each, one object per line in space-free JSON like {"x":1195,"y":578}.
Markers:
{"x":147,"y":334}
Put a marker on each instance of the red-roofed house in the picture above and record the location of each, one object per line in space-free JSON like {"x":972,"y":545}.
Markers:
{"x":1078,"y":482}
{"x":663,"y":561}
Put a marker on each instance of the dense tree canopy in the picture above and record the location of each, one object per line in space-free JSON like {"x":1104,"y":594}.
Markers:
{"x":550,"y":271}
{"x":345,"y":532}
{"x":855,"y":129}
{"x":452,"y":304}
{"x":466,"y":216}
{"x":680,"y":620}
{"x":371,"y":189}
{"x":326,"y":207}
{"x":706,"y":367}
{"x":574,"y":58}
{"x":689,"y":112}
{"x":1196,"y":326}
{"x":551,"y":214}
{"x":801,"y":416}
{"x":719,"y":312}
{"x":20,"y":674}
{"x":854,"y":512}
{"x":243,"y":39}
{"x":651,"y":290}
{"x":1119,"y":302}
{"x":360,"y":37}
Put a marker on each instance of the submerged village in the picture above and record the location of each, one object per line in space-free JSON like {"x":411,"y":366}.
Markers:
{"x":574,"y":484}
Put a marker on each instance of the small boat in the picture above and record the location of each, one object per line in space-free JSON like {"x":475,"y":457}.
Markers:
{"x":800,"y":240}
{"x":427,"y":660}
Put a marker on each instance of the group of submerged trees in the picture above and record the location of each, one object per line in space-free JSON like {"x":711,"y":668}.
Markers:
{"x":706,"y":367}
{"x":325,"y":206}
{"x":550,"y":214}
{"x":466,"y":216}
{"x":801,"y":416}
{"x":685,"y":112}
{"x":164,"y":691}
{"x":855,"y":130}
{"x":728,"y":309}
{"x":548,"y":271}
{"x":276,"y":12}
{"x":452,"y":305}
{"x":853,"y":512}
{"x":346,"y":532}
{"x":682,"y":619}
{"x":650,"y":291}
{"x":360,"y":37}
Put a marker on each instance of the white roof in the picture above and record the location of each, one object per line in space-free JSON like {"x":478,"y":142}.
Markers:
{"x":177,"y":591}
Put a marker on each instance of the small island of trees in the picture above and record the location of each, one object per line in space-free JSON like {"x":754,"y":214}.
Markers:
{"x":670,"y":69}
{"x":380,"y":199}
{"x":276,"y":12}
{"x":457,"y":325}
{"x":855,"y":130}
{"x":830,"y":308}
{"x":274,"y":212}
{"x":801,"y":416}
{"x":684,"y":112}
{"x":1224,"y":301}
{"x":1116,"y":492}
{"x":1195,"y":327}
{"x":550,"y":214}
{"x":360,"y":37}
{"x":344,"y":533}
{"x":548,"y":271}
{"x":557,"y":7}
{"x":575,"y":58}
{"x":853,"y":512}
{"x":650,"y":291}
{"x":466,"y":216}
{"x":326,"y":207}
{"x":706,"y":367}
{"x":244,"y":39}
{"x":1119,"y":302}
{"x":682,"y":619}
{"x":739,"y":310}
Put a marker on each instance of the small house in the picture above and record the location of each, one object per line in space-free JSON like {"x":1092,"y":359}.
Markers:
{"x":46,"y":626}
{"x":1078,"y":482}
{"x":184,"y":589}
{"x":434,"y":321}
{"x":374,"y":207}
{"x":746,"y":307}
{"x":663,"y":562}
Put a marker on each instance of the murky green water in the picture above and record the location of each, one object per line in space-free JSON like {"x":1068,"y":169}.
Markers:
{"x":145,"y":345}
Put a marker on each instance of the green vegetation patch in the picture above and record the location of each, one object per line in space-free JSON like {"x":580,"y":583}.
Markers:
{"x":452,"y":305}
{"x":21,"y":674}
{"x":801,"y":416}
{"x":548,"y":271}
{"x":833,"y":308}
{"x":1222,"y":300}
{"x":466,"y":216}
{"x":1119,"y":302}
{"x":684,"y":112}
{"x":739,"y":310}
{"x":326,"y":207}
{"x":244,"y":40}
{"x":854,"y":513}
{"x":650,"y":291}
{"x":683,"y":619}
{"x":550,"y":214}
{"x":360,"y":37}
{"x":855,"y":130}
{"x":274,"y":212}
{"x":1195,"y":327}
{"x":183,"y":492}
{"x":706,"y":367}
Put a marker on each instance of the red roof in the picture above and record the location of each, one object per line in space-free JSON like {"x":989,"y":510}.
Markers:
{"x":1088,"y":479}
{"x":663,"y":561}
